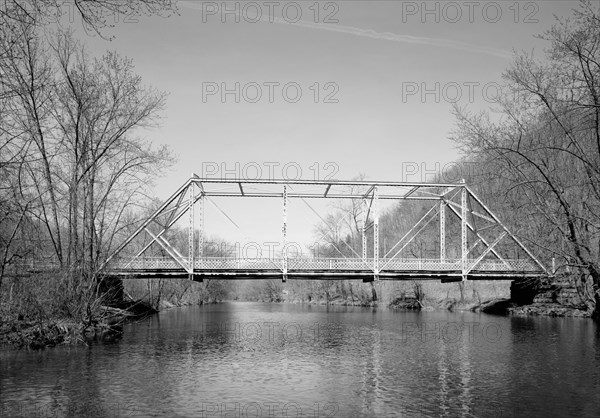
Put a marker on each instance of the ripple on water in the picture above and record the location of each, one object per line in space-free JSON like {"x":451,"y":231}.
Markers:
{"x":350,"y":362}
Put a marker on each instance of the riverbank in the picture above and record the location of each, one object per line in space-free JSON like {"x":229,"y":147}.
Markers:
{"x":494,"y":307}
{"x":472,"y":297}
{"x":556,"y":298}
{"x":409,"y":295}
{"x":550,"y":309}
{"x":491,"y":298}
{"x":107,"y":326}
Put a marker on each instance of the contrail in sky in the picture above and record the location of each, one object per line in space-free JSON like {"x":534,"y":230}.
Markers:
{"x":388,"y":36}
{"x":394,"y":37}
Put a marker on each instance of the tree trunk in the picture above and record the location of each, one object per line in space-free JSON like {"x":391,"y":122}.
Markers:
{"x":91,"y":230}
{"x":373,"y":292}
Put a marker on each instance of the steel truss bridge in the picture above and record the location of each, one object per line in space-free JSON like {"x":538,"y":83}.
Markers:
{"x":455,"y":215}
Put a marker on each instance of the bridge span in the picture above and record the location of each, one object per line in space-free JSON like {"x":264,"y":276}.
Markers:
{"x":455,"y":214}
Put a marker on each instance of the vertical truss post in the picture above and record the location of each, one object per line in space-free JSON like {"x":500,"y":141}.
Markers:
{"x":192,"y":197}
{"x":365,"y":211}
{"x":463,"y":232}
{"x":201,"y":227}
{"x":442,"y":230}
{"x":284,"y":232}
{"x":376,"y":233}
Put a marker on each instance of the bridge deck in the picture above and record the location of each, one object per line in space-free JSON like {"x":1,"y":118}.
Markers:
{"x":331,"y":268}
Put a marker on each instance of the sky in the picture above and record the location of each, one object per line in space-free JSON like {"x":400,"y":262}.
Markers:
{"x":318,"y":90}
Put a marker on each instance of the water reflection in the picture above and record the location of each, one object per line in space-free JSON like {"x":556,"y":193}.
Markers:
{"x":266,"y":359}
{"x":444,"y":390}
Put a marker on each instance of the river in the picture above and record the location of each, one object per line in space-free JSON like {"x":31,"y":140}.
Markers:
{"x":243,"y":359}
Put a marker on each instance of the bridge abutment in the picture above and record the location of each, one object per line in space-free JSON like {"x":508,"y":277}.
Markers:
{"x":524,"y":290}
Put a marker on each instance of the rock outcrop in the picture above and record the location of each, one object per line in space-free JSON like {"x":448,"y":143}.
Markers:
{"x":556,"y":296}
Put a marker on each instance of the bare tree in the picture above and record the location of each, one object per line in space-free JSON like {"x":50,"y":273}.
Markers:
{"x":95,"y":14}
{"x":341,"y":232}
{"x":76,"y":164}
{"x":547,"y":144}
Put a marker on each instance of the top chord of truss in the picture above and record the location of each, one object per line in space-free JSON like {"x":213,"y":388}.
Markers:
{"x":335,"y":189}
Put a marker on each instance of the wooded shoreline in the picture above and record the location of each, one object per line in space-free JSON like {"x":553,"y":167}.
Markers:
{"x":20,"y":333}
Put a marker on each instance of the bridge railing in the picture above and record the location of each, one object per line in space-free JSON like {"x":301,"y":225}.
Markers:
{"x":293,"y":264}
{"x":322,"y":264}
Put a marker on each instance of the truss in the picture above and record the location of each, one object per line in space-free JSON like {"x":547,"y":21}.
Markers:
{"x":478,"y":241}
